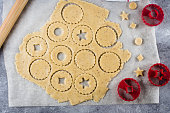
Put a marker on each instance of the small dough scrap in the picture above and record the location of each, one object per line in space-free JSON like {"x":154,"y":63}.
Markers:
{"x":133,"y":25}
{"x":133,"y":5}
{"x":138,"y":41}
{"x":124,"y":15}
{"x":139,"y":72}
{"x":140,"y":57}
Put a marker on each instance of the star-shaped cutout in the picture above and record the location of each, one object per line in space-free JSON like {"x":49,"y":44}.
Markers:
{"x":84,"y":83}
{"x":139,"y":72}
{"x":133,"y":25}
{"x":82,"y":35}
{"x":124,"y":16}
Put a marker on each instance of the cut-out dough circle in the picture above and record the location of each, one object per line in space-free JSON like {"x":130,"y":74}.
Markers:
{"x":106,"y":36}
{"x":85,"y":59}
{"x":67,"y":80}
{"x":40,"y":69}
{"x":88,"y":89}
{"x":84,"y":29}
{"x":72,"y":13}
{"x":30,"y":46}
{"x":51,"y":32}
{"x":109,"y":62}
{"x":61,"y":49}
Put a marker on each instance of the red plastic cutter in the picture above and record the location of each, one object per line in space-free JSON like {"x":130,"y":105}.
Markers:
{"x":159,"y":74}
{"x":152,"y":15}
{"x":128,"y":89}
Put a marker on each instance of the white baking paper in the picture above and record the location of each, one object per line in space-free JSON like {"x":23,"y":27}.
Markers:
{"x":22,"y":92}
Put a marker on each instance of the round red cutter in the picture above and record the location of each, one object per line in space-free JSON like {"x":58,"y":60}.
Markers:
{"x":159,"y":74}
{"x":152,"y":15}
{"x":128,"y":89}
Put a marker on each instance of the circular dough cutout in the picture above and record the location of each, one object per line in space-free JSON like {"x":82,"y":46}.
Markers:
{"x":72,"y":13}
{"x":106,"y":36}
{"x":55,"y":80}
{"x":65,"y":51}
{"x":85,"y":59}
{"x":132,"y":5}
{"x":109,"y":62}
{"x":82,"y":35}
{"x":40,"y":69}
{"x":85,"y":90}
{"x":138,"y":41}
{"x":63,"y":32}
{"x":36,"y":46}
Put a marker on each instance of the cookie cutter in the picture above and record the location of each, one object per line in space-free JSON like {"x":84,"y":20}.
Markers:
{"x":159,"y":74}
{"x":152,"y":15}
{"x":129,"y":89}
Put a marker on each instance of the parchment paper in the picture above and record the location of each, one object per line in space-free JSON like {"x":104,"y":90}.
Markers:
{"x":21,"y":92}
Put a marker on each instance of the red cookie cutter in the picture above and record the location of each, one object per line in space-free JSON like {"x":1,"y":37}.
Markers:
{"x":152,"y":15}
{"x":159,"y":74}
{"x":128,"y":89}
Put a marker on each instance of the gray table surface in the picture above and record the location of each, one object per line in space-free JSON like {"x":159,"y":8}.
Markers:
{"x":163,"y":43}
